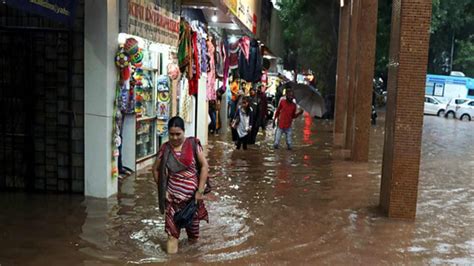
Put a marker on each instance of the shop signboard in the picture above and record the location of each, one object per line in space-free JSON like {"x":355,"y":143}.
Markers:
{"x":151,"y":22}
{"x":231,"y":5}
{"x":247,"y":14}
{"x":59,"y":10}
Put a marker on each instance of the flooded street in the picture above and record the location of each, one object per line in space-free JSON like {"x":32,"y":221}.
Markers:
{"x":304,"y":206}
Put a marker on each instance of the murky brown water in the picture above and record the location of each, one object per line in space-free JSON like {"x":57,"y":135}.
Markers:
{"x":307,"y":206}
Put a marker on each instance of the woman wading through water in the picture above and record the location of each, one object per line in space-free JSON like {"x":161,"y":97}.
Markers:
{"x":180,"y":171}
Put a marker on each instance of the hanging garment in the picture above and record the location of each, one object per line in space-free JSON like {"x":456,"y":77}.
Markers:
{"x":251,"y":70}
{"x":185,"y":49}
{"x":186,"y":112}
{"x":204,"y":51}
{"x":219,"y":59}
{"x":226,"y":62}
{"x":244,"y":44}
{"x":234,"y":52}
{"x":211,"y":74}
{"x":194,"y":81}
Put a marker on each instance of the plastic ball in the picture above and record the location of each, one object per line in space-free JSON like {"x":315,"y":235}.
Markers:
{"x":131,"y":46}
{"x":122,"y":60}
{"x":138,"y":65}
{"x":137,"y":58}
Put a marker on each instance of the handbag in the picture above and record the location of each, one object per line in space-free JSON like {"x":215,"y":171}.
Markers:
{"x":184,"y":217}
{"x":235,"y":122}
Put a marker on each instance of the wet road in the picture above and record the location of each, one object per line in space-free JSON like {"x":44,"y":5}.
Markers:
{"x":304,"y":206}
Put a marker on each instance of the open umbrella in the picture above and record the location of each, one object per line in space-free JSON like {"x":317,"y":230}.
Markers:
{"x":309,"y":99}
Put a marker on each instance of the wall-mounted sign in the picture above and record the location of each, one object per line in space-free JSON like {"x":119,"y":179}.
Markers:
{"x":149,"y":21}
{"x":232,"y":6}
{"x":247,"y":14}
{"x":59,"y":10}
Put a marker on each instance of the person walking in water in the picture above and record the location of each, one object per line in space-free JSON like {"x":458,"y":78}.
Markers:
{"x":180,"y":171}
{"x":255,"y":105}
{"x":284,"y":116}
{"x":243,"y":123}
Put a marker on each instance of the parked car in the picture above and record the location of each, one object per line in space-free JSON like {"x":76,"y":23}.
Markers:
{"x":452,"y":106}
{"x":434,"y":106}
{"x":465,"y":111}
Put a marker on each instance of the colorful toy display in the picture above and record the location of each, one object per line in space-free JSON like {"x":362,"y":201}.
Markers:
{"x":162,"y":110}
{"x":131,"y":46}
{"x":163,"y":104}
{"x":122,"y":59}
{"x":137,"y":58}
{"x":161,"y":127}
{"x":164,"y":96}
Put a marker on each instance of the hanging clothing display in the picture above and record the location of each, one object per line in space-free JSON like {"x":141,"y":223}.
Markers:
{"x":244,"y":45}
{"x":219,"y":59}
{"x":196,"y":72}
{"x":226,"y":61}
{"x":234,"y":52}
{"x":251,"y":70}
{"x":185,"y":49}
{"x":211,"y":74}
{"x":204,"y":50}
{"x":187,"y":107}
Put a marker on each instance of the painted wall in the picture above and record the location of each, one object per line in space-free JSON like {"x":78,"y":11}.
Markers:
{"x":100,"y":34}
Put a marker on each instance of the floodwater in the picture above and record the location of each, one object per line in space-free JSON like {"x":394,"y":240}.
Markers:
{"x":305,"y":206}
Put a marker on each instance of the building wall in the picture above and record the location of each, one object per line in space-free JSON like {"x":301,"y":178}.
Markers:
{"x":56,"y":121}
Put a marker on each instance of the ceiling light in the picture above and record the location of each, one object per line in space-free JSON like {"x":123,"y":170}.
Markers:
{"x":214,"y":17}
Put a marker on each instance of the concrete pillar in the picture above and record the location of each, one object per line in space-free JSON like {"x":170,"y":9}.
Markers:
{"x":100,"y":33}
{"x":367,"y":29}
{"x":404,"y":120}
{"x":203,"y":111}
{"x":351,"y":73}
{"x":341,"y":76}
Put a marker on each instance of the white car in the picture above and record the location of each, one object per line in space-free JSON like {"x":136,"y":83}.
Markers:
{"x":452,"y":106}
{"x":434,"y":106}
{"x":465,"y":111}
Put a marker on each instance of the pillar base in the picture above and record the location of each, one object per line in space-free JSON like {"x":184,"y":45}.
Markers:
{"x":338,"y":140}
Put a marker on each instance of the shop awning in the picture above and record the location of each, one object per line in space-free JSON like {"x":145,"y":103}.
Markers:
{"x":227,"y":18}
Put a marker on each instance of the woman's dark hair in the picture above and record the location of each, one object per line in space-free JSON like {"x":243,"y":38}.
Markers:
{"x":176,"y":121}
{"x":246,"y":99}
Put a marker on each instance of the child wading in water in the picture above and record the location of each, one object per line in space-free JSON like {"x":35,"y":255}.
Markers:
{"x":243,"y":123}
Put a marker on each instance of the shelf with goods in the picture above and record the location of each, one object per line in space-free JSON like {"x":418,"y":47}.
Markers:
{"x":144,"y":129}
{"x":145,"y":97}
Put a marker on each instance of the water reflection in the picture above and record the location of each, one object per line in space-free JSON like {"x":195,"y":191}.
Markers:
{"x":271,"y":207}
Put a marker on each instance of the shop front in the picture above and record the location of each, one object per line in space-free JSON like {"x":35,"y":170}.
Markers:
{"x":146,"y":62}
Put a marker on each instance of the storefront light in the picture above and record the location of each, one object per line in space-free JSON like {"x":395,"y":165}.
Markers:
{"x":233,"y":39}
{"x":214,"y":17}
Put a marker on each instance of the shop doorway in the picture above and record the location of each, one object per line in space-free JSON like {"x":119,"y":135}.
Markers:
{"x":35,"y":99}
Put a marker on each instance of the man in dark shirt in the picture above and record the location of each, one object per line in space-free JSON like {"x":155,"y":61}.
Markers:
{"x":285,"y":114}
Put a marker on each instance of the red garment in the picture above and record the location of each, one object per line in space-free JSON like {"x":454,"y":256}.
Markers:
{"x":234,"y":56}
{"x":181,"y":188}
{"x":244,"y":44}
{"x":285,"y":113}
{"x":193,"y":86}
{"x":194,"y":81}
